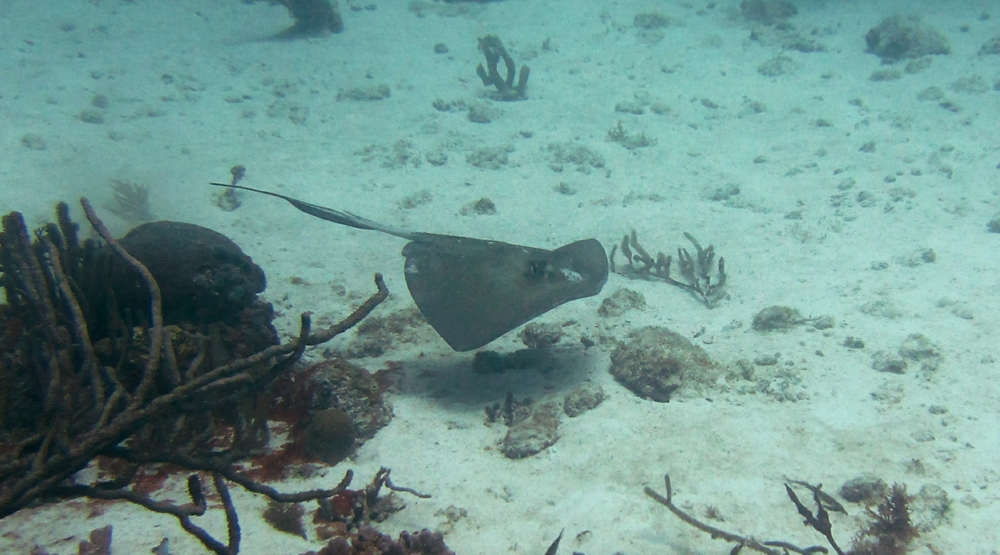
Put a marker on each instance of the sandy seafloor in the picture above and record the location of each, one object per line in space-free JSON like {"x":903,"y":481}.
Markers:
{"x":192,"y":92}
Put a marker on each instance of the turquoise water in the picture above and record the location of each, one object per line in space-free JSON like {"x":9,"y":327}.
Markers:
{"x":842,"y":177}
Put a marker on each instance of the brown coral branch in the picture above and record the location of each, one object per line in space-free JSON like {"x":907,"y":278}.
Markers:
{"x":821,"y":521}
{"x":156,"y":304}
{"x":403,"y":489}
{"x":717,"y":533}
{"x":697,"y":270}
{"x":227,"y":471}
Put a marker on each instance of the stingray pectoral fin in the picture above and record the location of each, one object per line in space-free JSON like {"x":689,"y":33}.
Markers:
{"x":473,"y":291}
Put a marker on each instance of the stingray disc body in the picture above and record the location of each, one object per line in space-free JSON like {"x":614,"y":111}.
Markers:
{"x":473,"y":291}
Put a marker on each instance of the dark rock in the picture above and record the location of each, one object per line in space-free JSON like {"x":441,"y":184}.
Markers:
{"x":852,"y":342}
{"x":582,"y":399}
{"x":483,"y":207}
{"x":917,"y":347}
{"x":652,"y":20}
{"x":541,"y":336}
{"x":776,"y":318}
{"x":776,"y":66}
{"x":532,"y":435}
{"x":620,"y":302}
{"x":865,"y":489}
{"x":899,"y":37}
{"x":511,"y":411}
{"x":653,"y":362}
{"x":330,"y":436}
{"x":767,"y":360}
{"x":767,"y":12}
{"x":886,"y":362}
{"x":993,"y":226}
{"x":991,"y":46}
{"x":203,"y":276}
{"x":340,"y":385}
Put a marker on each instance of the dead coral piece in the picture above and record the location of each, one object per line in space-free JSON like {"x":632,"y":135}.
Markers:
{"x":365,"y":93}
{"x":568,"y":153}
{"x":582,"y":399}
{"x":490,"y":158}
{"x":631,"y":141}
{"x":378,"y":335}
{"x":531,"y":428}
{"x":887,"y":362}
{"x":482,"y":207}
{"x":899,"y":37}
{"x":130,"y":202}
{"x":538,"y":335}
{"x":654,"y":362}
{"x":867,"y":489}
{"x":511,"y":411}
{"x":533,"y":434}
{"x":652,"y":20}
{"x":621,"y":301}
{"x":696,"y":270}
{"x":787,"y":37}
{"x":918,"y":348}
{"x":494,"y":51}
{"x":991,"y":46}
{"x":777,"y":318}
{"x":767,"y":12}
{"x":777,"y":66}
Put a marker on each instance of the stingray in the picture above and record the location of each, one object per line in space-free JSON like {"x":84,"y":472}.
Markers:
{"x":472,"y":291}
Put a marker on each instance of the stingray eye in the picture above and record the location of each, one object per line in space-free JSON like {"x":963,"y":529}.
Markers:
{"x":537,"y":269}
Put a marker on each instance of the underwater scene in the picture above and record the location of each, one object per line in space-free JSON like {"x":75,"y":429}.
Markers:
{"x":428,"y":277}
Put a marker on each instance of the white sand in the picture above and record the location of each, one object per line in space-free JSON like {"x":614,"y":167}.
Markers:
{"x":173,"y":72}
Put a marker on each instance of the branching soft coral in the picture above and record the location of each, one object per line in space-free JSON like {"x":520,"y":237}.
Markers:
{"x":890,"y":531}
